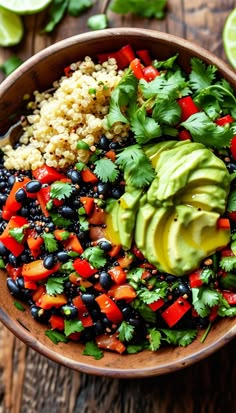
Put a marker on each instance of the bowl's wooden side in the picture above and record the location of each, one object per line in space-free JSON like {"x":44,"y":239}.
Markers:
{"x":38,"y":73}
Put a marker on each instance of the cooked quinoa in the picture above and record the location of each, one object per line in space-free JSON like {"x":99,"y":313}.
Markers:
{"x":76,"y":109}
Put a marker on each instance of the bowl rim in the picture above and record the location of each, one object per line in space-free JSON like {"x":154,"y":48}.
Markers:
{"x":14,"y":325}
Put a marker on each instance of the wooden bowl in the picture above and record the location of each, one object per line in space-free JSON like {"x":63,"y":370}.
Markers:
{"x":38,"y":73}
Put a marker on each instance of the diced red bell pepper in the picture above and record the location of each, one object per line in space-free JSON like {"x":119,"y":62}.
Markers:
{"x":150,"y":73}
{"x":226,"y":252}
{"x":137,"y":68}
{"x":88,"y":176}
{"x":31,"y":285}
{"x":125,"y":261}
{"x":68,"y":72}
{"x":8,"y":240}
{"x":12,"y":205}
{"x":57,"y":322}
{"x":184,"y":135}
{"x":195,"y":280}
{"x":122,"y":292}
{"x":114,"y":252}
{"x":47,"y":301}
{"x":110,"y":342}
{"x":213,"y":313}
{"x":35,"y":270}
{"x":111,"y":155}
{"x":14,"y":272}
{"x":83,"y":268}
{"x":121,"y":59}
{"x":38,"y":293}
{"x":224,"y":120}
{"x":156,"y":304}
{"x":144,"y":55}
{"x":230,"y":297}
{"x":232,"y":215}
{"x":118,"y":275}
{"x":188,"y":107}
{"x":109,"y":307}
{"x":128,"y":52}
{"x":138,"y":254}
{"x":176,"y":311}
{"x":223,"y":223}
{"x":47,"y":174}
{"x":43,"y":197}
{"x":73,"y":244}
{"x":83,"y":313}
{"x":88,"y":204}
{"x":233,"y":147}
{"x":34,"y":242}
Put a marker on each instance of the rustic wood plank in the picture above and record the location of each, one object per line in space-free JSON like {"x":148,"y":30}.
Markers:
{"x":29,"y":383}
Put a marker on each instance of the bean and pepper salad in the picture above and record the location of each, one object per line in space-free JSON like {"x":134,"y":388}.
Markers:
{"x":59,"y":259}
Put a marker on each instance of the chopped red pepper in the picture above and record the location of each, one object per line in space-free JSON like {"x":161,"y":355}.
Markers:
{"x":88,"y":204}
{"x":43,"y":197}
{"x":137,"y":68}
{"x":225,"y":120}
{"x":88,"y":176}
{"x":156,"y":304}
{"x":73,"y":244}
{"x":128,"y":52}
{"x":122,"y":292}
{"x":47,"y":174}
{"x":83,"y":313}
{"x":97,"y":217}
{"x":35,"y":270}
{"x":188,"y":107}
{"x":175,"y":311}
{"x":34,"y":242}
{"x":150,"y":73}
{"x":195,"y":279}
{"x":83,"y":268}
{"x":109,"y":307}
{"x":233,"y":147}
{"x":110,"y":342}
{"x":14,"y":272}
{"x":8,"y":240}
{"x":57,"y":322}
{"x":121,"y":59}
{"x":117,"y":274}
{"x":213,"y":313}
{"x":223,"y":223}
{"x":12,"y":205}
{"x":144,"y":55}
{"x":184,"y":135}
{"x":47,"y":301}
{"x":230,"y":297}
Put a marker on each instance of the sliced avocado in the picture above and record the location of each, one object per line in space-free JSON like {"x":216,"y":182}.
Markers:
{"x":112,"y":228}
{"x":143,"y":218}
{"x":205,"y":197}
{"x":126,"y":217}
{"x":153,"y":151}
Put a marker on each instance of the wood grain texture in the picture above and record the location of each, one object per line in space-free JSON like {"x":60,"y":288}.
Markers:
{"x":29,"y":383}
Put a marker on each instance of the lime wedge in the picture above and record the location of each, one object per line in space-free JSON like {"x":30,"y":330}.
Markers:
{"x":229,"y":38}
{"x":25,"y":6}
{"x":11,"y":28}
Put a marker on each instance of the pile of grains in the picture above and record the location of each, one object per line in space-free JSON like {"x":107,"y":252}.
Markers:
{"x":75,"y":110}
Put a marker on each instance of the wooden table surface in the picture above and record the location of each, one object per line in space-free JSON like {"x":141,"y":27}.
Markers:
{"x":29,"y":383}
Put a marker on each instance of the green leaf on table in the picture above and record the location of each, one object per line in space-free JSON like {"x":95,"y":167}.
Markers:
{"x":97,"y":22}
{"x":143,"y":8}
{"x":77,"y":7}
{"x":10,"y":65}
{"x":56,"y":14}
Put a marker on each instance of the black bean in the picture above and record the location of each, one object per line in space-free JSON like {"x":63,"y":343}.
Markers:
{"x":105,"y":245}
{"x":103,"y":188}
{"x":3,"y":199}
{"x":24,"y":212}
{"x":105,"y":280}
{"x":33,"y":186}
{"x":231,"y":167}
{"x":127,"y":312}
{"x":116,"y":192}
{"x":11,"y":181}
{"x":114,"y":146}
{"x":104,"y":143}
{"x":49,"y":261}
{"x":62,"y":256}
{"x":67,"y":212}
{"x":98,"y":328}
{"x":3,"y":250}
{"x":39,"y":314}
{"x":74,"y":175}
{"x":183,"y":289}
{"x":13,"y":260}
{"x":20,"y":195}
{"x":20,"y":282}
{"x":69,"y":311}
{"x":89,"y":299}
{"x":13,"y":287}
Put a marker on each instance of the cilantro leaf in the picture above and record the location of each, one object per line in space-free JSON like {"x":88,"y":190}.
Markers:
{"x":77,"y":7}
{"x":55,"y":285}
{"x":106,"y":170}
{"x":149,"y":297}
{"x":59,"y":221}
{"x":228,"y":263}
{"x":135,"y":348}
{"x":171,"y":85}
{"x":55,"y":336}
{"x":138,"y":171}
{"x":73,"y":326}
{"x":179,"y":337}
{"x":126,"y":331}
{"x":166,"y":111}
{"x":95,"y":256}
{"x":143,"y":8}
{"x":165,"y":64}
{"x":144,"y":127}
{"x":18,"y":233}
{"x":56,"y":13}
{"x":204,"y":130}
{"x":206,"y":275}
{"x":203,"y":299}
{"x":201,"y":75}
{"x":232,"y":201}
{"x":145,"y":311}
{"x":50,"y":242}
{"x":154,"y":339}
{"x":217,"y":96}
{"x":60,"y":190}
{"x":92,"y":349}
{"x":229,"y":281}
{"x":10,"y":64}
{"x":124,"y":93}
{"x":19,"y":306}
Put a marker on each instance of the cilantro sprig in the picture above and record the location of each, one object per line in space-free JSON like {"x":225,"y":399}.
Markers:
{"x":106,"y":170}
